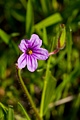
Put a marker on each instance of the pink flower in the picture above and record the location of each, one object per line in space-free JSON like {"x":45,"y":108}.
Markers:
{"x":31,"y":53}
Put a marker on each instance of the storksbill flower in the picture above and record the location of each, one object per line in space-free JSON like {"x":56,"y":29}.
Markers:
{"x":31,"y":53}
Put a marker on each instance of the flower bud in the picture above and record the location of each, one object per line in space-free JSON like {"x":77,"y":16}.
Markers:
{"x":62,"y":37}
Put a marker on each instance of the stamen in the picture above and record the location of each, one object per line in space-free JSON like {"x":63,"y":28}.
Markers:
{"x":29,"y":52}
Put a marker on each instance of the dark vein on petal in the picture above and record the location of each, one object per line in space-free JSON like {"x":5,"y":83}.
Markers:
{"x":23,"y":59}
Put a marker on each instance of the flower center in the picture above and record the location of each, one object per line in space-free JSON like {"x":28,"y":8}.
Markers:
{"x":29,"y":52}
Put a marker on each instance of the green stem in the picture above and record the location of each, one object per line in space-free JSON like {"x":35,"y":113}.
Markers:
{"x":28,"y":95}
{"x":44,"y":90}
{"x":45,"y":85}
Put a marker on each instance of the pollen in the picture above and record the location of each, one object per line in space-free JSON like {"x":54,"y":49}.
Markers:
{"x":29,"y":52}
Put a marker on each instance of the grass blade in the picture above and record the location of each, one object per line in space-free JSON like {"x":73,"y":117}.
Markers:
{"x":4,"y":36}
{"x":55,"y":18}
{"x":29,"y":18}
{"x":10,"y":113}
{"x":25,"y":113}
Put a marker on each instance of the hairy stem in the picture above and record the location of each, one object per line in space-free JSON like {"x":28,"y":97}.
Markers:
{"x":28,"y":95}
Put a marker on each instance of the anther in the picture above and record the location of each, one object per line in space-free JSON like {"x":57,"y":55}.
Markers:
{"x":29,"y":52}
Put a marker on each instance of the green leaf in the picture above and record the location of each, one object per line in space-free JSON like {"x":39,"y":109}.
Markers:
{"x":3,"y":107}
{"x":14,"y":46}
{"x":45,"y":36}
{"x":3,"y":111}
{"x":29,"y":18}
{"x":67,"y":79}
{"x":45,"y":6}
{"x":23,"y":110}
{"x":50,"y":89}
{"x":51,"y":20}
{"x":18,"y":16}
{"x":4,"y":36}
{"x":3,"y":69}
{"x":10,"y":115}
{"x":1,"y":114}
{"x":15,"y":34}
{"x":24,"y":2}
{"x":75,"y":107}
{"x":69,"y":49}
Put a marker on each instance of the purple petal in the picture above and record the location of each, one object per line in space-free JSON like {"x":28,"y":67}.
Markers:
{"x":22,"y":61}
{"x":31,"y":63}
{"x":41,"y":54}
{"x":23,"y":45}
{"x":35,"y":41}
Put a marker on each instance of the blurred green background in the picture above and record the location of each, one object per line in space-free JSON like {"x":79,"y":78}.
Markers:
{"x":18,"y":20}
